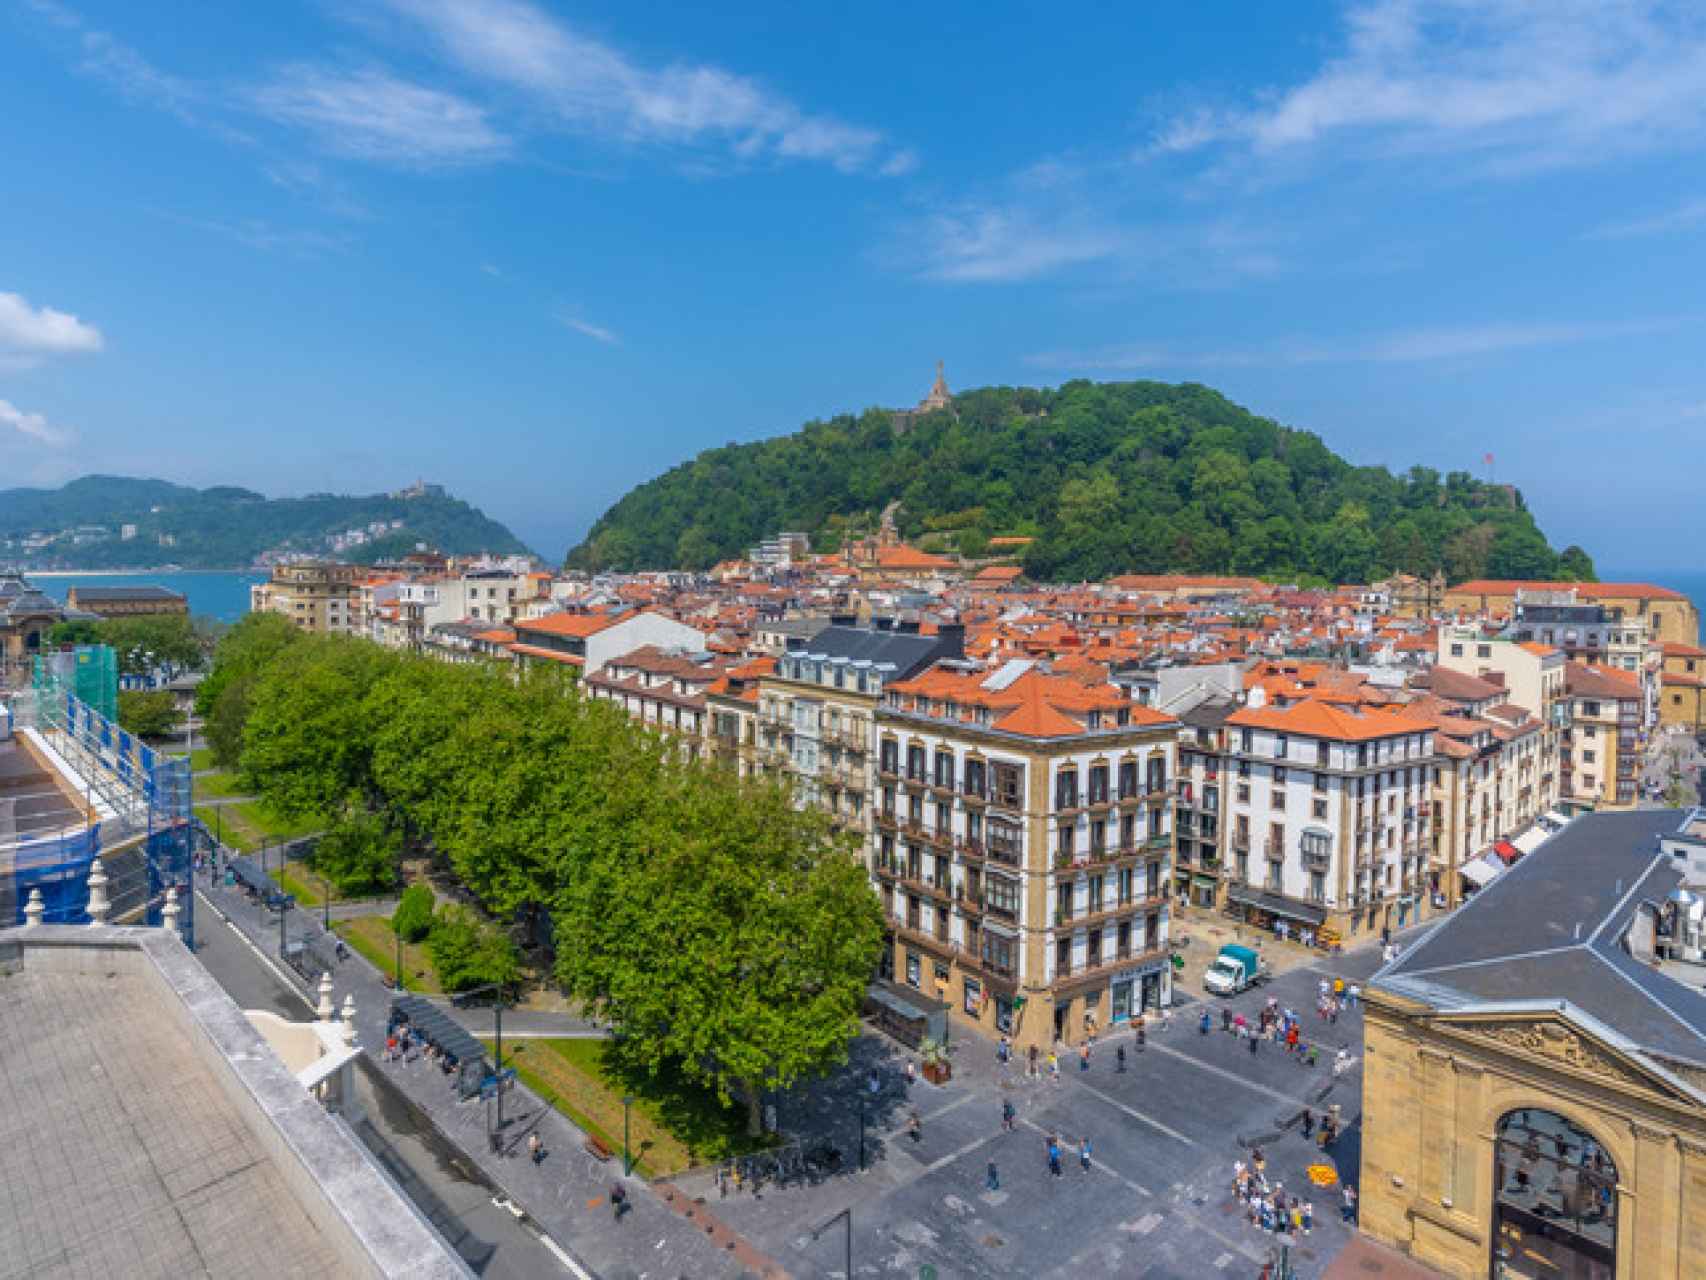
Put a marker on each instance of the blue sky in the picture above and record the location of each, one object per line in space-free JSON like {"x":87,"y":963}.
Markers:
{"x":540,"y":251}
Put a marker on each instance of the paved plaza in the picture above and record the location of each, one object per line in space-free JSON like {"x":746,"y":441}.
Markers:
{"x":1157,"y":1201}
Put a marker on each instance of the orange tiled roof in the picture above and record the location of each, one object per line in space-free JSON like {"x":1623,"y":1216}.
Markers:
{"x":1317,"y":719}
{"x":568,"y":624}
{"x":904,"y":557}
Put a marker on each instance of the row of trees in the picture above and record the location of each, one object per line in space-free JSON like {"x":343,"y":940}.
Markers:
{"x":144,"y":645}
{"x":725,"y":932}
{"x":1105,"y":477}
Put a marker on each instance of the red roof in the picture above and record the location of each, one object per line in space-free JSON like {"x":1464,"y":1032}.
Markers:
{"x":567,"y":624}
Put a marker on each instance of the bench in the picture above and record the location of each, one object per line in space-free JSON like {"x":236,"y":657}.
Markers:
{"x":597,"y":1150}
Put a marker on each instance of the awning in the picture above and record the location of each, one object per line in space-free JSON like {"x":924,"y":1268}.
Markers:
{"x":1507,"y":851}
{"x":1278,"y":904}
{"x":1483,"y":870}
{"x":1531,"y":839}
{"x":1204,"y":882}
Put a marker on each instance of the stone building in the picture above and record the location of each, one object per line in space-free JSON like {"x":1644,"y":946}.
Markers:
{"x":319,"y":597}
{"x":935,"y":400}
{"x":140,"y":599}
{"x":26,"y":616}
{"x":1534,"y":1090}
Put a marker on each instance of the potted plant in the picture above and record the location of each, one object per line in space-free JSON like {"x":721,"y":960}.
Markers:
{"x":937,"y":1068}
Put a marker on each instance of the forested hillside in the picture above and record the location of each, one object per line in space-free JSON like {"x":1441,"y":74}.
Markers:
{"x":225,"y":526}
{"x":1106,"y":477}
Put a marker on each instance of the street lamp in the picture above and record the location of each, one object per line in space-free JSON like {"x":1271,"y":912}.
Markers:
{"x":285,"y":903}
{"x":861,"y":1133}
{"x":326,"y":901}
{"x":498,"y":1013}
{"x":398,"y":935}
{"x":627,"y":1159}
{"x":846,"y":1215}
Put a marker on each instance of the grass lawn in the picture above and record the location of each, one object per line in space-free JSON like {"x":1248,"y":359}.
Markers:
{"x":306,"y":887}
{"x":201,"y":758}
{"x":373,"y":938}
{"x":217,"y":786}
{"x":218,"y":821}
{"x":675,"y":1124}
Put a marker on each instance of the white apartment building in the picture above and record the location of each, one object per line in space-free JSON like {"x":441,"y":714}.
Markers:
{"x":1328,"y":820}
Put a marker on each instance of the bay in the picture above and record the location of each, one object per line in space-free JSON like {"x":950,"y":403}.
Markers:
{"x":223,"y":596}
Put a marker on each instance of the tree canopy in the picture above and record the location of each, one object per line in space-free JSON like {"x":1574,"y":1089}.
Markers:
{"x":1106,"y":478}
{"x":727,"y":934}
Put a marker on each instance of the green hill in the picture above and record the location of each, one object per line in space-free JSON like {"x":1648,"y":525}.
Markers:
{"x":1106,"y":477}
{"x":225,"y":526}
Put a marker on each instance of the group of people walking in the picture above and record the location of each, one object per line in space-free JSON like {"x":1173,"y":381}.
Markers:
{"x":1268,"y":1206}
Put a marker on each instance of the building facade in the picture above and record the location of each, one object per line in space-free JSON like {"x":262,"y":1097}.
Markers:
{"x":319,"y":597}
{"x":1330,"y":818}
{"x":1601,"y":762}
{"x":126,"y":602}
{"x":1532,"y":1109}
{"x":1022,"y":847}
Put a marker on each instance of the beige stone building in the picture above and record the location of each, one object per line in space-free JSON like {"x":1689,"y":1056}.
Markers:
{"x":1022,"y":847}
{"x":1534,"y":1089}
{"x":320,"y":597}
{"x":1601,"y":761}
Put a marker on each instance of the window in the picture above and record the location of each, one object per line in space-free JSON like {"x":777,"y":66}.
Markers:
{"x":1063,"y":956}
{"x":1063,"y":840}
{"x":1280,"y":744}
{"x":1279,"y":776}
{"x":1098,"y":784}
{"x":973,"y":997}
{"x":912,"y":969}
{"x":1002,"y":896}
{"x":1320,"y":808}
{"x":944,"y":769}
{"x":1483,"y":651}
{"x":915,"y":763}
{"x":1066,"y":789}
{"x":1128,"y":779}
{"x":1009,"y":785}
{"x":1457,"y":651}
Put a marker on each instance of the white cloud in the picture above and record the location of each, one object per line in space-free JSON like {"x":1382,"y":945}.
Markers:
{"x":1680,"y":218}
{"x":1527,"y":82}
{"x":984,"y":244}
{"x":589,"y":86}
{"x":29,"y":333}
{"x":597,"y":332}
{"x":32,"y":425}
{"x":369,"y":114}
{"x":1400,"y":347}
{"x":257,"y":233}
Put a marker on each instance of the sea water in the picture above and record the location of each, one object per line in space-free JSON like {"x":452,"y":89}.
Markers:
{"x":222,"y":596}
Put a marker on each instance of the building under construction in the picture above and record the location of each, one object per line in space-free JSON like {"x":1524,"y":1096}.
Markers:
{"x":74,"y":787}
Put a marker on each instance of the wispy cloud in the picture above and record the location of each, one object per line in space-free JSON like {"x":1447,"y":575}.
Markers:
{"x":1684,"y":216}
{"x":1399,"y":347}
{"x":33,"y":426}
{"x":28,"y":335}
{"x":597,"y":332}
{"x":1527,"y":83}
{"x":257,"y":233}
{"x":370,"y":114}
{"x":594,"y":88}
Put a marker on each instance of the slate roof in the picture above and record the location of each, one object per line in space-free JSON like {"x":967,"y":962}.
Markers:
{"x":142,"y":591}
{"x":907,"y":652}
{"x":1551,"y":929}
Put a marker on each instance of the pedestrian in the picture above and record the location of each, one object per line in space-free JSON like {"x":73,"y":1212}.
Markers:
{"x":915,"y":1126}
{"x":1333,"y":1012}
{"x":1031,"y":1069}
{"x":619,"y":1200}
{"x":992,"y":1177}
{"x":1341,"y":1061}
{"x":1386,"y":935}
{"x":911,"y":1072}
{"x":1351,"y":995}
{"x":1338,"y":988}
{"x":1308,"y":1217}
{"x":875,"y":1084}
{"x":1308,"y":1123}
{"x":535,"y":1147}
{"x":1084,"y":1056}
{"x":1254,"y":1041}
{"x":1008,"y":1115}
{"x":1054,"y":1067}
{"x":1348,"y":1212}
{"x":1053,"y":1156}
{"x":1142,"y":1032}
{"x":1084,"y":1154}
{"x":1225,"y":1020}
{"x":1005,"y":1052}
{"x":1291,"y":1038}
{"x":1119,"y":1059}
{"x":1207,"y":1023}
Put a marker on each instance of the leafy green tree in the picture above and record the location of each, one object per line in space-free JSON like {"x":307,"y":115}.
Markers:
{"x":772,"y":934}
{"x":152,"y":641}
{"x":78,"y":631}
{"x":1576,"y":565}
{"x":148,"y":713}
{"x":359,"y":852}
{"x":242,"y":651}
{"x":466,"y":953}
{"x":412,"y":919}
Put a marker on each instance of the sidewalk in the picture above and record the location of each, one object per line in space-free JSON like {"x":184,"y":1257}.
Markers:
{"x":567,"y":1194}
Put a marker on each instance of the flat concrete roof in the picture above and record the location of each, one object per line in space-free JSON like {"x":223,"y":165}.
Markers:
{"x":146,"y":1129}
{"x":38,"y":806}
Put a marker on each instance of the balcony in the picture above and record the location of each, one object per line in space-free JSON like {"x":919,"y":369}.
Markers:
{"x":1006,"y":853}
{"x":1241,"y":841}
{"x":1011,"y":801}
{"x":888,"y":771}
{"x":1274,"y":849}
{"x":975,"y":798}
{"x":887,"y":819}
{"x":929,"y":938}
{"x":1317,"y":859}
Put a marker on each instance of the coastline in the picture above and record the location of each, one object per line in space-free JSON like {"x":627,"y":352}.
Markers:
{"x":125,"y":573}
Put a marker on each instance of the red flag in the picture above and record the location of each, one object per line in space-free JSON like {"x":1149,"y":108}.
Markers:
{"x":1488,"y":459}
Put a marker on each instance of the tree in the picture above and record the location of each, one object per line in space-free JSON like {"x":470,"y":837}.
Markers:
{"x":148,"y":714}
{"x":412,"y":919}
{"x":242,"y":651}
{"x":359,"y":851}
{"x":1576,"y":565}
{"x":152,"y":642}
{"x":78,"y":631}
{"x":466,"y":953}
{"x":772,"y":934}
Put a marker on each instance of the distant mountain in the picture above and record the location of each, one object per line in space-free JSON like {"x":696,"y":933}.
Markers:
{"x":1104,"y":478}
{"x":83,"y":525}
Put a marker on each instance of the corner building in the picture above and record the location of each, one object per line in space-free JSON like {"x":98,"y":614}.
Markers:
{"x":1022,"y":848}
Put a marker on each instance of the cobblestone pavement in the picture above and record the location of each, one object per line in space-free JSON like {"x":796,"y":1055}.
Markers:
{"x":568,"y":1194}
{"x":1672,"y":755}
{"x":1157,"y":1200}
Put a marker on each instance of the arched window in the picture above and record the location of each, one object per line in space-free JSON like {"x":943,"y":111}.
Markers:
{"x":1554,"y":1200}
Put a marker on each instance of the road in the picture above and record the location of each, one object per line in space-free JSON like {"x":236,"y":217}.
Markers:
{"x":432,"y":1172}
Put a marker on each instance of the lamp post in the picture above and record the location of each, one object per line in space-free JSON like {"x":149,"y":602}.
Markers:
{"x":326,"y":902}
{"x":627,"y":1159}
{"x":498,"y":1040}
{"x":285,"y":903}
{"x":398,"y":935}
{"x":846,"y":1216}
{"x":861,"y":1133}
